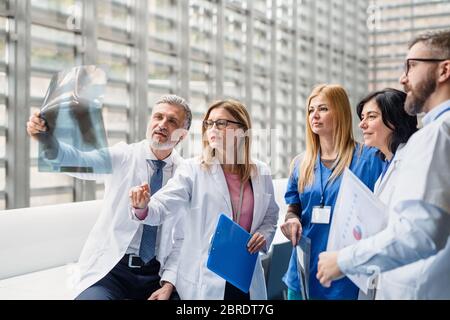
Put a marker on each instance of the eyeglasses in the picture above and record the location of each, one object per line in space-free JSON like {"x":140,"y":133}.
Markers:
{"x":220,"y":124}
{"x":408,"y":66}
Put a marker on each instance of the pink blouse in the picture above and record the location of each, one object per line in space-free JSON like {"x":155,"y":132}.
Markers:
{"x":234,"y":187}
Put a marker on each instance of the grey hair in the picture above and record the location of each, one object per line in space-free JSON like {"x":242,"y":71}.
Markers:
{"x":175,"y":100}
{"x":437,"y":40}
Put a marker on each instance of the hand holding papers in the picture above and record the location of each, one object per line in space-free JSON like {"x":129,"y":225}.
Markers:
{"x":303,"y":249}
{"x":229,"y":257}
{"x":357,"y":214}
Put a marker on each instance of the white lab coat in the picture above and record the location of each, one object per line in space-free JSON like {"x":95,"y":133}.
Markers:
{"x":205,"y":193}
{"x":384,"y":188}
{"x":425,"y":279}
{"x":414,"y":249}
{"x":113,"y":231}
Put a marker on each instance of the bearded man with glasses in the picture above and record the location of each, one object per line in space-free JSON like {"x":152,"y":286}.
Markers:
{"x":413,"y":252}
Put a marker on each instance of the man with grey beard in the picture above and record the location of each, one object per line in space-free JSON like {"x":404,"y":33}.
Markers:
{"x":121,"y":259}
{"x":415,"y":245}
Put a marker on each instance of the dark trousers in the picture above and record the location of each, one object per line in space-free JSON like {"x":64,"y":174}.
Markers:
{"x":233,"y":293}
{"x":124,"y":282}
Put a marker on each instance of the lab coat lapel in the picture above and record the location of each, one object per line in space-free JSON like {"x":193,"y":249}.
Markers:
{"x":258,"y":196}
{"x":221,"y":184}
{"x":142,"y":174}
{"x":385,"y":178}
{"x":390,"y":170}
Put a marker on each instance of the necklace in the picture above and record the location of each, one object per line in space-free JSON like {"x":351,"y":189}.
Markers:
{"x":329,"y":163}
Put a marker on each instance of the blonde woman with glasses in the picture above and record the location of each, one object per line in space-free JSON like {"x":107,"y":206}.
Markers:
{"x":314,"y":183}
{"x":219,"y":181}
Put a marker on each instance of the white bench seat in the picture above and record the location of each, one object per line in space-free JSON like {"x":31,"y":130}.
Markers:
{"x":50,"y":284}
{"x":39,"y":246}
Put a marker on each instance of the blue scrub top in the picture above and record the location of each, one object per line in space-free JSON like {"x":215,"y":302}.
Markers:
{"x":367,"y":166}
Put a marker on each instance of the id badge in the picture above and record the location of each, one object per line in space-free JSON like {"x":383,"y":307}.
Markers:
{"x":321,"y":215}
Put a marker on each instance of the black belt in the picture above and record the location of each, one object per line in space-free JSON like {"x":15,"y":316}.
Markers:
{"x":135,"y":262}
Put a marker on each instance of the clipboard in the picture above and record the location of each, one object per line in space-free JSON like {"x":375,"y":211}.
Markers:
{"x":303,"y":249}
{"x":228,"y":255}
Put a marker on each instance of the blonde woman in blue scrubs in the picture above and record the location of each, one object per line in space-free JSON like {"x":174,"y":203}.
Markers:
{"x":386,"y":126}
{"x":314,"y":183}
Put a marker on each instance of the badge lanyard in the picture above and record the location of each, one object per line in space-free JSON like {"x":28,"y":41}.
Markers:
{"x":241,"y":195}
{"x":321,"y":214}
{"x":322,"y":188}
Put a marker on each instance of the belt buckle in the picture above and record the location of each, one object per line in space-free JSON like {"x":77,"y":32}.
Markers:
{"x":130,"y":261}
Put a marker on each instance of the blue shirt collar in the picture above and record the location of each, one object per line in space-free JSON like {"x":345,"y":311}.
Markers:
{"x":431,"y":116}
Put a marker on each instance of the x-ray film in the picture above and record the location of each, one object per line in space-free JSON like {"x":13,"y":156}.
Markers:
{"x":72,"y":110}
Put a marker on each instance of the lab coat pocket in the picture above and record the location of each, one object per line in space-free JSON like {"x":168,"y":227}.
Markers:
{"x":189,"y":268}
{"x":393,"y":287}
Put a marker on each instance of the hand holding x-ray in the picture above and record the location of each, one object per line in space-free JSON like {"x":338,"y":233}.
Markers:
{"x":71,"y":122}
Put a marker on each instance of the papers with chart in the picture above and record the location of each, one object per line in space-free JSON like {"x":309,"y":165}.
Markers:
{"x":357,"y":214}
